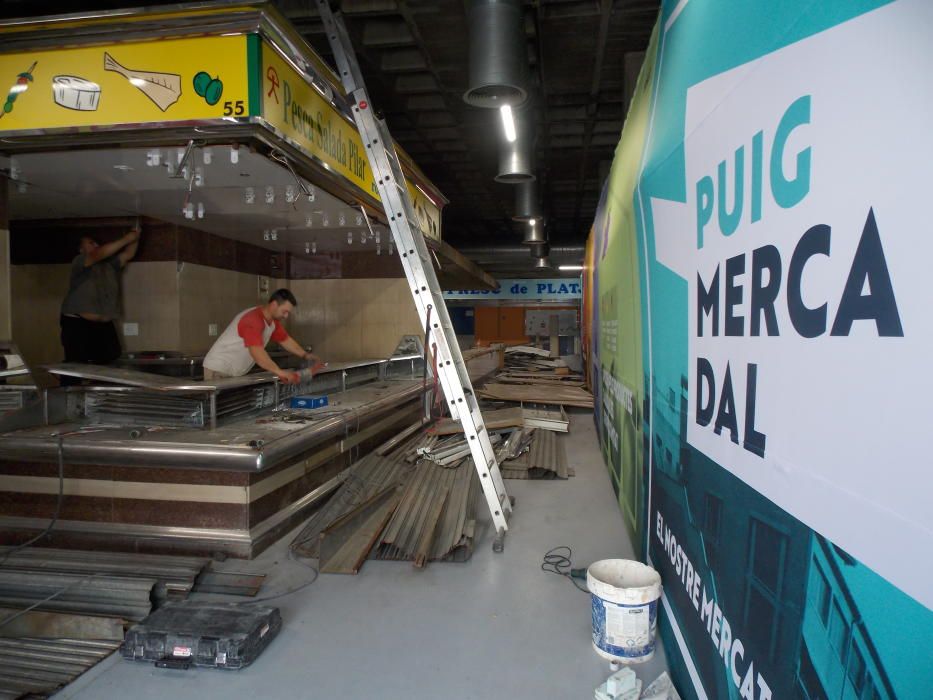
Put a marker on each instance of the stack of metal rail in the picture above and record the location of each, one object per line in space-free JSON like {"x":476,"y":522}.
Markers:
{"x":62,"y":611}
{"x":545,"y":458}
{"x":396,"y":504}
{"x":34,"y":668}
{"x":169,"y":577}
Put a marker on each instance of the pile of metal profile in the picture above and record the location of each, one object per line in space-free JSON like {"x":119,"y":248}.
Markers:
{"x":494,"y":420}
{"x":398,"y":506}
{"x":364,"y":480}
{"x":436,"y":518}
{"x":530,"y":416}
{"x":546,"y":458}
{"x":36,"y":668}
{"x":62,"y":611}
{"x":449,"y":451}
{"x":171,"y":577}
{"x":546,"y":418}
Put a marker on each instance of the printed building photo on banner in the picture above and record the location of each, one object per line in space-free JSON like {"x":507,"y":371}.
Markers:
{"x":772,"y":339}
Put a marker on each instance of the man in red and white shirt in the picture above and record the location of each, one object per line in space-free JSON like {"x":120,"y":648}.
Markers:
{"x":243,"y":342}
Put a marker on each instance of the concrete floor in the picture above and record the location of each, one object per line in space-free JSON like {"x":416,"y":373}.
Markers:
{"x":494,"y":627}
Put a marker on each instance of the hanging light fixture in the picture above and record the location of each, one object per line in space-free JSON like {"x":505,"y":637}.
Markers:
{"x":542,"y":264}
{"x":498,"y":57}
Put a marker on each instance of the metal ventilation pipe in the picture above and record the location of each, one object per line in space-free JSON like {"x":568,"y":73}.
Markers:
{"x":526,"y":201}
{"x":535,"y":234}
{"x":516,"y":158}
{"x":498,"y":58}
{"x":542,"y":264}
{"x":540,"y":250}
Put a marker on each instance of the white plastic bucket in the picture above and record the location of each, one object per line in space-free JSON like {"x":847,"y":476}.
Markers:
{"x":625,"y":609}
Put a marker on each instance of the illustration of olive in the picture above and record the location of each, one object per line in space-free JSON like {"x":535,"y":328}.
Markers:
{"x":209,"y":88}
{"x":214,"y":90}
{"x":201,"y":81}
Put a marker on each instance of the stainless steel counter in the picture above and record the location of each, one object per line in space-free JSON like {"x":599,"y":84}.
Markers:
{"x":250,"y":444}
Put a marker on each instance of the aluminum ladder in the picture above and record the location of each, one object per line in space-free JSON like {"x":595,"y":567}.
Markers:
{"x":416,"y":260}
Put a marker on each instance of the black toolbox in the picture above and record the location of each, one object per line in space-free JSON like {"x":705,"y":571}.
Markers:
{"x":180,"y":635}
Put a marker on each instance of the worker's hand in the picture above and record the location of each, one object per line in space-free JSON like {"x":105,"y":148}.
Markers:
{"x":133,"y":235}
{"x":317,"y":366}
{"x":289,"y":377}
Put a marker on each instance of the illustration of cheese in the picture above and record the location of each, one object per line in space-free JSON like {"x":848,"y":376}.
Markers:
{"x":72,"y":92}
{"x":163,"y":89}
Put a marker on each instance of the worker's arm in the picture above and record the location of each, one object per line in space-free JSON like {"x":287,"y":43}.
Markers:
{"x":261,"y":358}
{"x":102,"y":252}
{"x":129,"y":252}
{"x":294,"y":348}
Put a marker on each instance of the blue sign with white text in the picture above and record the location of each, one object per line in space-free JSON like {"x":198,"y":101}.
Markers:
{"x":525,"y":290}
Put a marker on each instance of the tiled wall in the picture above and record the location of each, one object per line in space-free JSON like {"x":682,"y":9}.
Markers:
{"x":151,"y":302}
{"x":210,"y":295}
{"x":348,"y":319}
{"x":37,"y":293}
{"x":6,"y":309}
{"x":173,"y":305}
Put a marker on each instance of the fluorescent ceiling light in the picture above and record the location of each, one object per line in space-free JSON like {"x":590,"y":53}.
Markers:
{"x":508,"y":123}
{"x":570,"y":268}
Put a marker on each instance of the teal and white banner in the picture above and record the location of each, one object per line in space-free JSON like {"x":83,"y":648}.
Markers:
{"x":780,"y":207}
{"x":560,"y":289}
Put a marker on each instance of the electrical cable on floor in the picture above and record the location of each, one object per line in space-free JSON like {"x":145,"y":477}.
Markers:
{"x":58,"y":506}
{"x":558,"y":561}
{"x":292,"y":556}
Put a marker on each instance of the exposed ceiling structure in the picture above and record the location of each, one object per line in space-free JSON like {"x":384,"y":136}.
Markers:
{"x":583,"y":57}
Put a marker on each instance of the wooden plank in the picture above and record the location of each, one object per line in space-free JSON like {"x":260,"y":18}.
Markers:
{"x":529,"y":393}
{"x":527,"y":350}
{"x":346,"y":542}
{"x":494,"y":420}
{"x":430,"y":529}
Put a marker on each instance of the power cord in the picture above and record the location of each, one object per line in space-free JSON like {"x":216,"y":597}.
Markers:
{"x":558,"y":561}
{"x":295,"y":558}
{"x":58,"y":506}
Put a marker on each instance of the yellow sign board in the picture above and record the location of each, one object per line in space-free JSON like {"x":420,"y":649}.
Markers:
{"x":125,"y":83}
{"x":304,"y":116}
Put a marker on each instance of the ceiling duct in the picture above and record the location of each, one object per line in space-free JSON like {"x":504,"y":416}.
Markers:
{"x":516,"y":159}
{"x":535,"y":234}
{"x":498,"y":54}
{"x":526,"y":201}
{"x":540,"y":250}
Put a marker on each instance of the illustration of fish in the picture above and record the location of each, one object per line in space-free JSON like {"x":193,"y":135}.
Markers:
{"x":163,"y":89}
